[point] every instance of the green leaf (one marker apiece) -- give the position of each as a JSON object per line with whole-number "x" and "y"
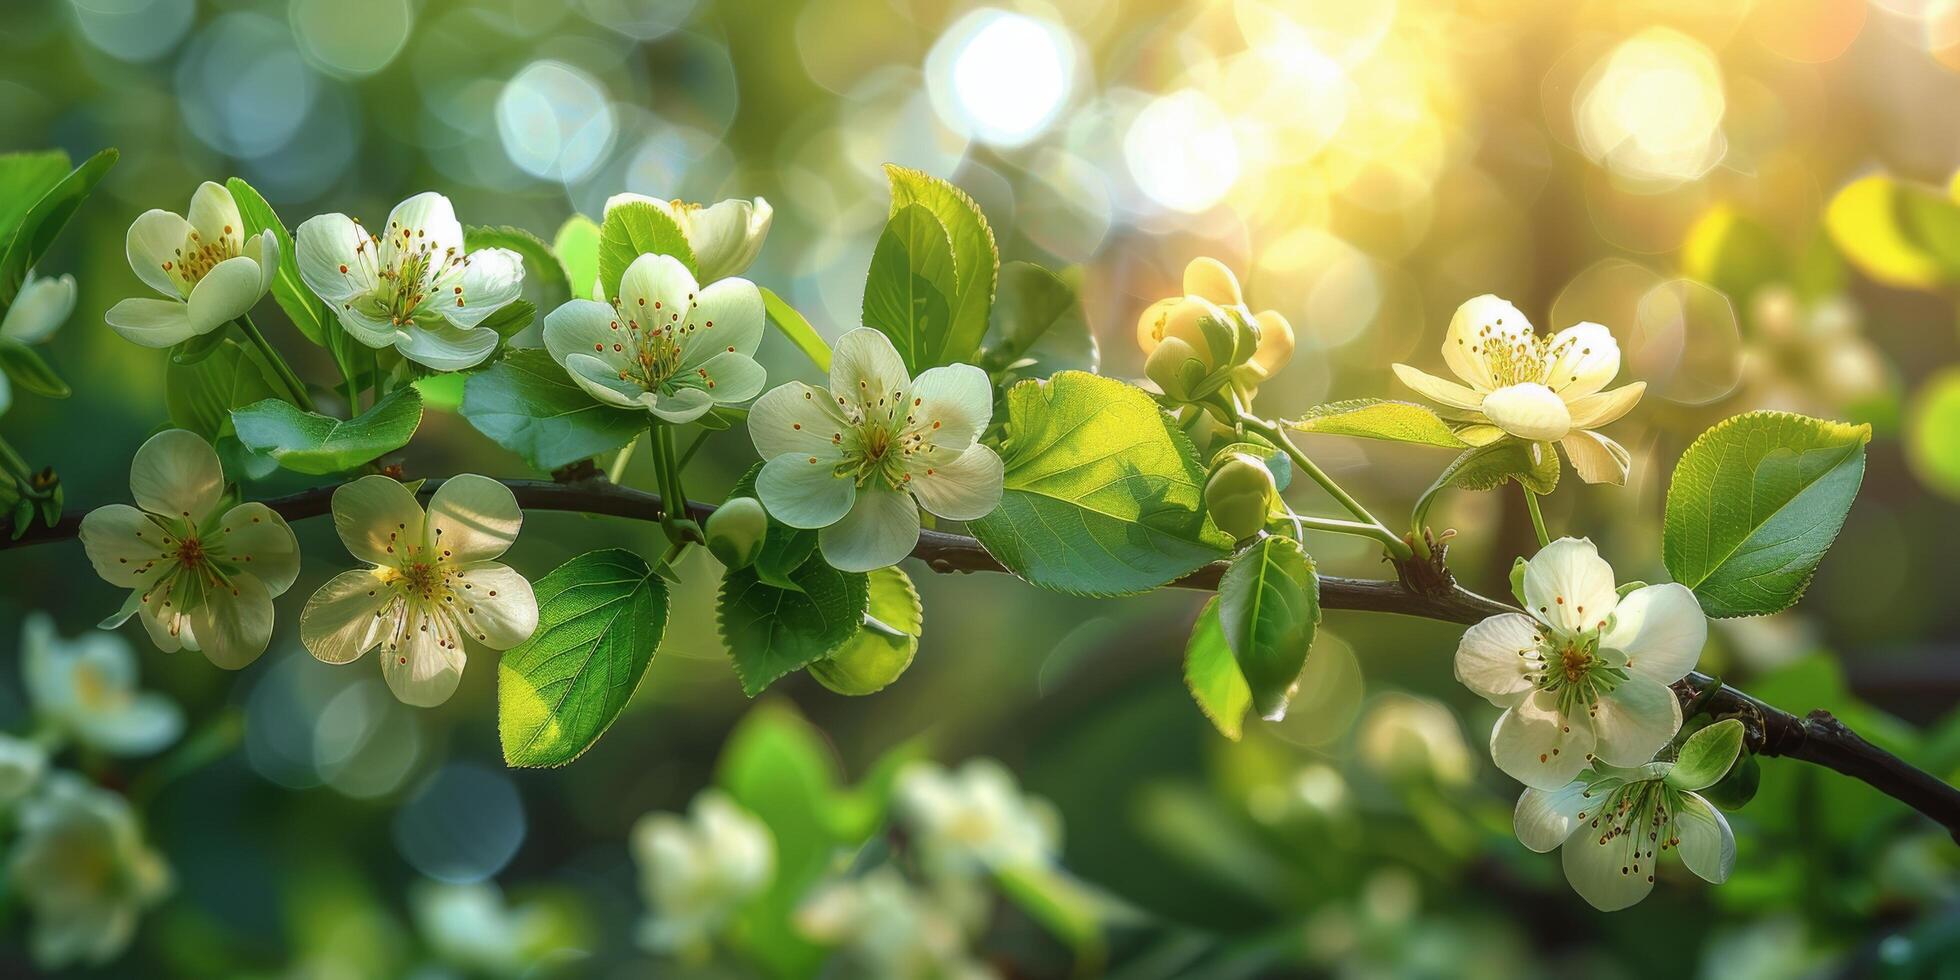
{"x": 1754, "y": 504}
{"x": 1706, "y": 756}
{"x": 1379, "y": 418}
{"x": 510, "y": 318}
{"x": 308, "y": 313}
{"x": 908, "y": 292}
{"x": 307, "y": 442}
{"x": 527, "y": 404}
{"x": 1268, "y": 609}
{"x": 24, "y": 179}
{"x": 43, "y": 222}
{"x": 1733, "y": 253}
{"x": 1212, "y": 674}
{"x": 634, "y": 229}
{"x": 197, "y": 348}
{"x": 600, "y": 617}
{"x": 577, "y": 248}
{"x": 1062, "y": 905}
{"x": 797, "y": 329}
{"x": 1102, "y": 495}
{"x": 1038, "y": 326}
{"x": 27, "y": 369}
{"x": 201, "y": 395}
{"x": 872, "y": 659}
{"x": 1533, "y": 465}
{"x": 1898, "y": 233}
{"x": 771, "y": 631}
{"x": 976, "y": 260}
{"x": 541, "y": 268}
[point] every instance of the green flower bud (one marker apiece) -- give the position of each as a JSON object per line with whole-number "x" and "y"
{"x": 736, "y": 531}
{"x": 1177, "y": 368}
{"x": 1240, "y": 494}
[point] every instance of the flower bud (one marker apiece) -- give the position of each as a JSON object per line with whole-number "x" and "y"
{"x": 1210, "y": 331}
{"x": 1208, "y": 278}
{"x": 1275, "y": 346}
{"x": 1150, "y": 326}
{"x": 1239, "y": 495}
{"x": 1177, "y": 369}
{"x": 736, "y": 531}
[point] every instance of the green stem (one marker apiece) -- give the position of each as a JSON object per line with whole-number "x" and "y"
{"x": 1395, "y": 545}
{"x": 673, "y": 495}
{"x": 617, "y": 471}
{"x": 294, "y": 386}
{"x": 1335, "y": 525}
{"x": 1537, "y": 518}
{"x": 700, "y": 439}
{"x": 16, "y": 465}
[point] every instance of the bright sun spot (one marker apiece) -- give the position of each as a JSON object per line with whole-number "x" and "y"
{"x": 1653, "y": 109}
{"x": 1000, "y": 77}
{"x": 1181, "y": 151}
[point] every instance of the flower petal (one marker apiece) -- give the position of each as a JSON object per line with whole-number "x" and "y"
{"x": 425, "y": 222}
{"x": 805, "y": 491}
{"x": 727, "y": 317}
{"x": 1544, "y": 819}
{"x": 1539, "y": 747}
{"x": 1529, "y": 411}
{"x": 1605, "y": 407}
{"x": 582, "y": 326}
{"x": 1438, "y": 390}
{"x": 1707, "y": 844}
{"x": 865, "y": 368}
{"x": 40, "y": 309}
{"x": 1603, "y": 873}
{"x": 1584, "y": 357}
{"x": 344, "y": 618}
{"x": 176, "y": 474}
{"x": 438, "y": 344}
{"x": 602, "y": 381}
{"x": 1661, "y": 629}
{"x": 487, "y": 281}
{"x": 473, "y": 518}
{"x": 225, "y": 293}
{"x": 375, "y": 516}
{"x": 1479, "y": 324}
{"x": 880, "y": 530}
{"x": 336, "y": 258}
{"x": 261, "y": 543}
{"x": 729, "y": 377}
{"x": 726, "y": 236}
{"x": 146, "y": 722}
{"x": 795, "y": 418}
{"x": 1567, "y": 585}
{"x": 214, "y": 217}
{"x": 155, "y": 249}
{"x": 154, "y": 323}
{"x": 424, "y": 664}
{"x": 951, "y": 405}
{"x": 263, "y": 248}
{"x": 1494, "y": 658}
{"x": 966, "y": 489}
{"x": 498, "y": 609}
{"x": 678, "y": 405}
{"x": 658, "y": 293}
{"x": 1596, "y": 458}
{"x": 124, "y": 545}
{"x": 1634, "y": 721}
{"x": 233, "y": 626}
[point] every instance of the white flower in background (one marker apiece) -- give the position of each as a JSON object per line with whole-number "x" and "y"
{"x": 39, "y": 309}
{"x": 21, "y": 764}
{"x": 86, "y": 689}
{"x": 202, "y": 577}
{"x": 412, "y": 286}
{"x": 1810, "y": 357}
{"x": 1542, "y": 389}
{"x": 470, "y": 926}
{"x": 664, "y": 344}
{"x": 725, "y": 237}
{"x": 435, "y": 583}
{"x": 975, "y": 820}
{"x": 1614, "y": 823}
{"x": 1586, "y": 675}
{"x": 860, "y": 459}
{"x": 887, "y": 928}
{"x": 210, "y": 272}
{"x": 1410, "y": 737}
{"x": 83, "y": 869}
{"x": 697, "y": 871}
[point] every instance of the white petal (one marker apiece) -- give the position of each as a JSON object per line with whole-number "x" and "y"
{"x": 880, "y": 530}
{"x": 727, "y": 316}
{"x": 965, "y": 489}
{"x": 1583, "y": 359}
{"x": 1568, "y": 585}
{"x": 438, "y": 344}
{"x": 372, "y": 331}
{"x": 726, "y": 236}
{"x": 341, "y": 621}
{"x": 234, "y": 625}
{"x": 1707, "y": 844}
{"x": 951, "y": 405}
{"x": 1596, "y": 458}
{"x": 805, "y": 491}
{"x": 499, "y": 621}
{"x": 378, "y": 519}
{"x": 424, "y": 665}
{"x": 1537, "y": 746}
{"x": 1529, "y": 411}
{"x": 1438, "y": 390}
{"x": 678, "y": 405}
{"x": 1545, "y": 818}
{"x": 40, "y": 309}
{"x": 1632, "y": 722}
{"x": 490, "y": 279}
{"x": 1604, "y": 873}
{"x": 865, "y": 368}
{"x": 657, "y": 292}
{"x": 602, "y": 381}
{"x": 425, "y": 222}
{"x": 1479, "y": 324}
{"x": 1661, "y": 630}
{"x": 795, "y": 418}
{"x": 225, "y": 293}
{"x": 336, "y": 258}
{"x": 155, "y": 249}
{"x": 1496, "y": 658}
{"x": 473, "y": 518}
{"x": 169, "y": 629}
{"x": 260, "y": 542}
{"x": 143, "y": 724}
{"x": 729, "y": 377}
{"x": 1606, "y": 407}
{"x": 124, "y": 545}
{"x": 214, "y": 216}
{"x": 176, "y": 474}
{"x": 582, "y": 326}
{"x": 264, "y": 249}
{"x": 154, "y": 323}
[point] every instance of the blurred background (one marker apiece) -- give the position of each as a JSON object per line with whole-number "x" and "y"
{"x": 1674, "y": 170}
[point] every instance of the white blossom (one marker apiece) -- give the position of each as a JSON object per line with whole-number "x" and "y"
{"x": 86, "y": 688}
{"x": 83, "y": 869}
{"x": 205, "y": 266}
{"x": 697, "y": 871}
{"x": 724, "y": 237}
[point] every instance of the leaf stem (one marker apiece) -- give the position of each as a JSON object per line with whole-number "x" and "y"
{"x": 1537, "y": 518}
{"x": 1375, "y": 528}
{"x": 617, "y": 471}
{"x": 294, "y": 386}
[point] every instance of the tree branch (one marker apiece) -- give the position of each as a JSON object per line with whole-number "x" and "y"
{"x": 1425, "y": 590}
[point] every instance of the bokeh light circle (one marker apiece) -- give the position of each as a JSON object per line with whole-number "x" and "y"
{"x": 1182, "y": 152}
{"x": 1652, "y": 110}
{"x": 463, "y": 825}
{"x": 555, "y": 121}
{"x": 351, "y": 37}
{"x": 243, "y": 87}
{"x": 1001, "y": 77}
{"x": 1933, "y": 434}
{"x": 134, "y": 30}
